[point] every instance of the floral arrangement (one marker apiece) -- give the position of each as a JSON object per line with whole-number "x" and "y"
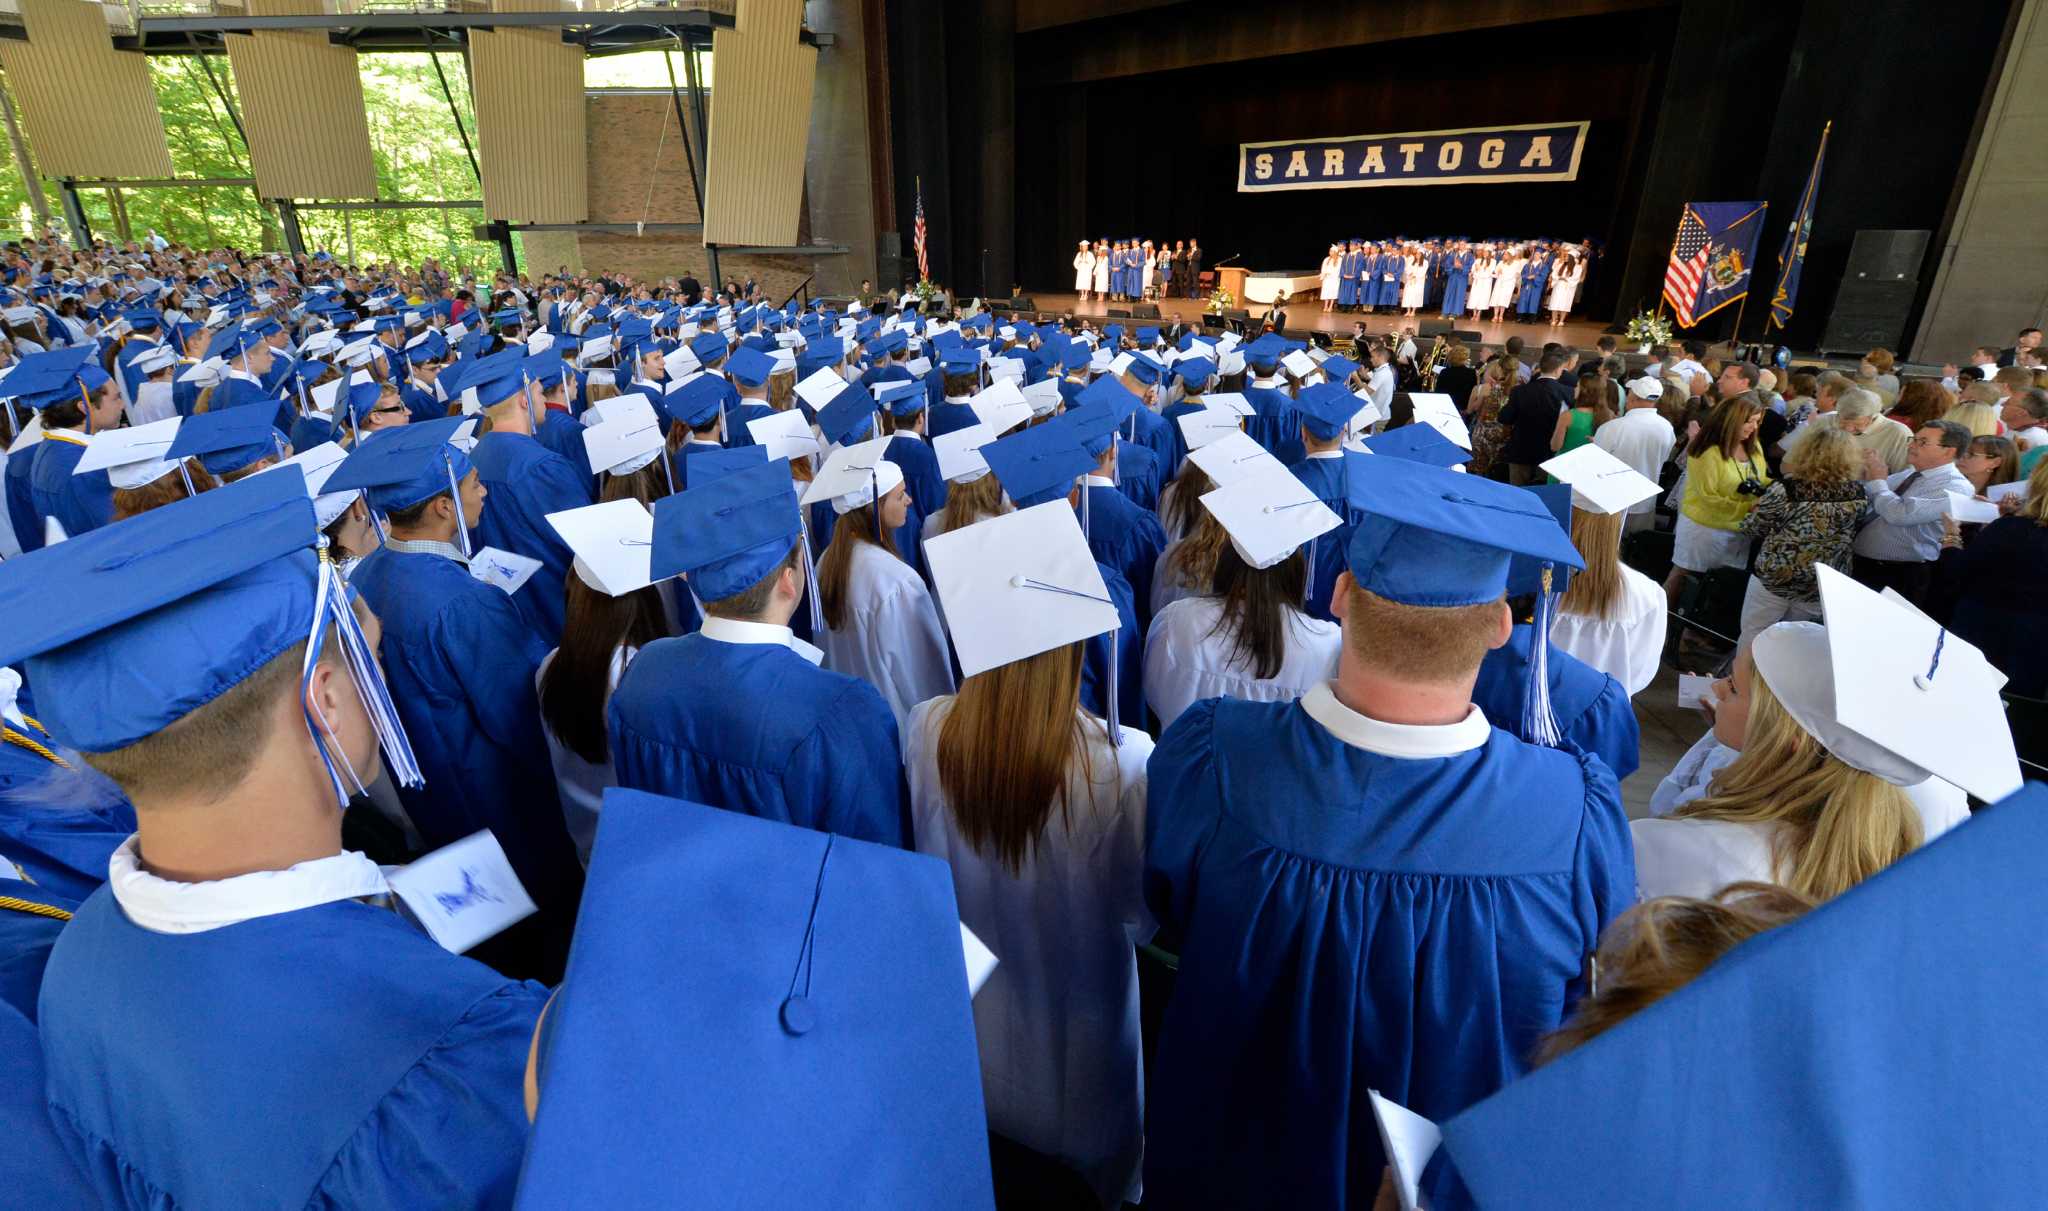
{"x": 1649, "y": 328}
{"x": 1221, "y": 300}
{"x": 927, "y": 292}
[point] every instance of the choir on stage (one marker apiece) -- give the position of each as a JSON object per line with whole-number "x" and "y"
{"x": 583, "y": 742}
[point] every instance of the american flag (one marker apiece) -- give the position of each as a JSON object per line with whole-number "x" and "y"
{"x": 924, "y": 267}
{"x": 1687, "y": 271}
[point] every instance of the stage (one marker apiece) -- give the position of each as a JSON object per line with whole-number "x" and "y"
{"x": 1307, "y": 315}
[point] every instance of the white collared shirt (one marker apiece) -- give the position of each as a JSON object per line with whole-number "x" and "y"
{"x": 1406, "y": 740}
{"x": 1339, "y": 453}
{"x": 162, "y": 906}
{"x": 738, "y": 630}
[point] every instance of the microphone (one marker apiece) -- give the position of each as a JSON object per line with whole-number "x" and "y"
{"x": 1226, "y": 260}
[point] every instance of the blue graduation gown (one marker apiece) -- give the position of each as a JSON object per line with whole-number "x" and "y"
{"x": 461, "y": 660}
{"x": 949, "y": 418}
{"x": 422, "y": 404}
{"x": 756, "y": 728}
{"x": 1457, "y": 281}
{"x": 1178, "y": 452}
{"x": 332, "y": 1056}
{"x": 240, "y": 392}
{"x": 1326, "y": 478}
{"x": 1530, "y": 298}
{"x": 1592, "y": 709}
{"x": 35, "y": 1170}
{"x": 528, "y": 481}
{"x": 1137, "y": 474}
{"x": 80, "y": 502}
{"x": 21, "y": 503}
{"x": 920, "y": 472}
{"x": 1349, "y": 921}
{"x": 61, "y": 841}
{"x": 1126, "y": 538}
{"x": 563, "y": 434}
{"x": 1391, "y": 269}
{"x": 184, "y": 395}
{"x": 310, "y": 431}
{"x": 1129, "y": 657}
{"x": 1275, "y": 425}
{"x": 1157, "y": 434}
{"x": 1348, "y": 269}
{"x": 736, "y": 432}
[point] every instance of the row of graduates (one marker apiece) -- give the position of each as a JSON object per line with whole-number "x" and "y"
{"x": 734, "y": 715}
{"x": 1460, "y": 276}
{"x": 1126, "y": 270}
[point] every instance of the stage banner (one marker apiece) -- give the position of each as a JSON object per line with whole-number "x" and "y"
{"x": 1477, "y": 155}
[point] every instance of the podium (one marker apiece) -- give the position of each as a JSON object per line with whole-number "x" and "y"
{"x": 1231, "y": 278}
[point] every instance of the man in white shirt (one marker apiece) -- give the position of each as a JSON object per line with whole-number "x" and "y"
{"x": 1689, "y": 365}
{"x": 2026, "y": 414}
{"x": 1381, "y": 381}
{"x": 1898, "y": 547}
{"x": 1643, "y": 439}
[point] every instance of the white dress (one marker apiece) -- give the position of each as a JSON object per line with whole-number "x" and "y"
{"x": 1187, "y": 661}
{"x": 1057, "y": 1022}
{"x": 152, "y": 403}
{"x": 1084, "y": 271}
{"x": 1145, "y": 266}
{"x": 1507, "y": 280}
{"x": 1102, "y": 274}
{"x": 1626, "y": 647}
{"x": 1413, "y": 279}
{"x": 1333, "y": 274}
{"x": 1564, "y": 287}
{"x": 892, "y": 638}
{"x": 581, "y": 783}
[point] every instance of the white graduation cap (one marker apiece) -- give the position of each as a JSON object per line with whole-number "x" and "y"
{"x": 1232, "y": 400}
{"x": 325, "y": 394}
{"x": 682, "y": 362}
{"x": 1003, "y": 406}
{"x": 1444, "y": 421}
{"x": 1229, "y": 341}
{"x": 1018, "y": 584}
{"x": 1121, "y": 362}
{"x": 630, "y": 440}
{"x": 1298, "y": 364}
{"x": 358, "y": 353}
{"x": 601, "y": 378}
{"x": 319, "y": 464}
{"x": 320, "y": 342}
{"x": 539, "y": 342}
{"x": 1010, "y": 368}
{"x": 852, "y": 470}
{"x": 18, "y": 315}
{"x": 1230, "y": 361}
{"x": 784, "y": 361}
{"x": 613, "y": 544}
{"x": 1901, "y": 697}
{"x": 1367, "y": 416}
{"x": 1269, "y": 515}
{"x": 1100, "y": 361}
{"x": 592, "y": 349}
{"x": 820, "y": 387}
{"x": 784, "y": 434}
{"x": 1601, "y": 483}
{"x": 1207, "y": 425}
{"x": 131, "y": 457}
{"x": 1044, "y": 396}
{"x": 456, "y": 331}
{"x": 1232, "y": 457}
{"x": 959, "y": 452}
{"x": 918, "y": 366}
{"x": 155, "y": 358}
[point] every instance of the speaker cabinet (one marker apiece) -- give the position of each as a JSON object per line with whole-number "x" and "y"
{"x": 1887, "y": 256}
{"x": 1144, "y": 311}
{"x": 1868, "y": 315}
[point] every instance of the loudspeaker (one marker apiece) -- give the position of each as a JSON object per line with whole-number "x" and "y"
{"x": 1145, "y": 311}
{"x": 1429, "y": 328}
{"x": 1867, "y": 315}
{"x": 1887, "y": 256}
{"x": 1119, "y": 313}
{"x": 889, "y": 267}
{"x": 1469, "y": 337}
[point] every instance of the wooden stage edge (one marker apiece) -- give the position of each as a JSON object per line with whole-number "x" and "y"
{"x": 1309, "y": 316}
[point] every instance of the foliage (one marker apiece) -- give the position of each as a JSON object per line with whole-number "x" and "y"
{"x": 1221, "y": 300}
{"x": 418, "y": 153}
{"x": 1649, "y": 328}
{"x": 927, "y": 292}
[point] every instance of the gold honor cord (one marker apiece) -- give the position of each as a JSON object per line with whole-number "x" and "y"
{"x": 33, "y": 909}
{"x": 13, "y": 737}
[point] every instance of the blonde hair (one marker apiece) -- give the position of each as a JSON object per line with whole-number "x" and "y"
{"x": 1596, "y": 592}
{"x": 971, "y": 501}
{"x": 2035, "y": 507}
{"x": 1660, "y": 946}
{"x": 1827, "y": 456}
{"x": 1980, "y": 419}
{"x": 1836, "y": 826}
{"x": 1005, "y": 749}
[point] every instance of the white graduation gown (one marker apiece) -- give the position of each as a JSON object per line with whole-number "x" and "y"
{"x": 1332, "y": 277}
{"x": 582, "y": 783}
{"x": 1564, "y": 288}
{"x": 1057, "y": 1023}
{"x": 892, "y": 639}
{"x": 1626, "y": 647}
{"x": 1186, "y": 660}
{"x": 1413, "y": 279}
{"x": 1084, "y": 272}
{"x": 1507, "y": 280}
{"x": 1102, "y": 273}
{"x": 152, "y": 403}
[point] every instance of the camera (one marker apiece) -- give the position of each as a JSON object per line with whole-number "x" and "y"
{"x": 1750, "y": 487}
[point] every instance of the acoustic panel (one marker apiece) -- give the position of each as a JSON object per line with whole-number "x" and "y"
{"x": 89, "y": 109}
{"x": 302, "y": 107}
{"x": 760, "y": 126}
{"x": 530, "y": 125}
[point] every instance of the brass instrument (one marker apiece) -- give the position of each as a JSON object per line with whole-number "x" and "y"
{"x": 1426, "y": 372}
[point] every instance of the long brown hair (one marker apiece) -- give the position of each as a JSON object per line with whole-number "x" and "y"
{"x": 1259, "y": 605}
{"x": 1191, "y": 562}
{"x": 573, "y": 690}
{"x": 1595, "y": 592}
{"x": 835, "y": 567}
{"x": 1009, "y": 741}
{"x": 970, "y": 501}
{"x": 166, "y": 489}
{"x": 1593, "y": 395}
{"x": 647, "y": 485}
{"x": 1920, "y": 401}
{"x": 1185, "y": 510}
{"x": 1721, "y": 428}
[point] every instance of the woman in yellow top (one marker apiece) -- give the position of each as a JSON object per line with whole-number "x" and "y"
{"x": 1724, "y": 478}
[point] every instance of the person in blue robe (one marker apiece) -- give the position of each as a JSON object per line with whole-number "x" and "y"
{"x": 1273, "y": 423}
{"x": 1348, "y": 269}
{"x": 1392, "y": 266}
{"x": 1370, "y": 888}
{"x": 738, "y": 715}
{"x": 912, "y": 454}
{"x": 247, "y": 965}
{"x": 1121, "y": 533}
{"x": 35, "y": 1169}
{"x": 1592, "y": 710}
{"x": 1126, "y": 647}
{"x": 711, "y": 350}
{"x": 749, "y": 369}
{"x": 1535, "y": 276}
{"x": 959, "y": 380}
{"x": 1326, "y": 469}
{"x": 526, "y": 482}
{"x": 80, "y": 403}
{"x": 461, "y": 659}
{"x": 58, "y": 824}
{"x": 1195, "y": 375}
{"x": 1146, "y": 378}
{"x": 1457, "y": 280}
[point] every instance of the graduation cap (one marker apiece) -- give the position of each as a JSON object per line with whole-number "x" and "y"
{"x": 1418, "y": 443}
{"x": 706, "y": 463}
{"x": 228, "y": 439}
{"x": 1038, "y": 464}
{"x": 1200, "y": 427}
{"x": 134, "y": 457}
{"x": 698, "y": 401}
{"x": 1600, "y": 482}
{"x": 318, "y": 465}
{"x": 1338, "y": 369}
{"x": 1858, "y": 1080}
{"x": 959, "y": 452}
{"x": 784, "y": 435}
{"x": 510, "y": 317}
{"x": 708, "y": 347}
{"x": 855, "y": 476}
{"x": 625, "y": 437}
{"x": 1194, "y": 373}
{"x": 1269, "y": 516}
{"x": 1002, "y": 407}
{"x": 902, "y": 399}
{"x": 129, "y": 628}
{"x": 849, "y": 414}
{"x": 400, "y": 467}
{"x": 829, "y": 970}
{"x": 1232, "y": 457}
{"x": 750, "y": 367}
{"x": 613, "y": 544}
{"x": 727, "y": 533}
{"x": 1325, "y": 409}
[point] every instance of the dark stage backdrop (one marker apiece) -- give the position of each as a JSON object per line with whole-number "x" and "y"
{"x": 1155, "y": 156}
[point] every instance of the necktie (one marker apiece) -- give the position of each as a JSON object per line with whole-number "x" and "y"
{"x": 1907, "y": 483}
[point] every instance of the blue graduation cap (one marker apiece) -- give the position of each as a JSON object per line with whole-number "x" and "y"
{"x": 1339, "y": 369}
{"x": 1194, "y": 373}
{"x": 889, "y": 342}
{"x": 959, "y": 360}
{"x": 708, "y": 347}
{"x": 848, "y": 416}
{"x": 706, "y": 464}
{"x": 129, "y": 628}
{"x": 903, "y": 399}
{"x": 1416, "y": 443}
{"x": 727, "y": 531}
{"x": 497, "y": 388}
{"x": 388, "y": 323}
{"x": 226, "y": 440}
{"x": 1327, "y": 407}
{"x": 1525, "y": 575}
{"x": 1145, "y": 370}
{"x": 829, "y": 973}
{"x": 749, "y": 366}
{"x": 1889, "y": 1055}
{"x": 1038, "y": 464}
{"x": 697, "y": 402}
{"x": 142, "y": 319}
{"x": 398, "y": 468}
{"x": 510, "y": 317}
{"x": 1075, "y": 357}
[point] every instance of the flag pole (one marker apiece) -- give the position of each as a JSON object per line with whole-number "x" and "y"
{"x": 1742, "y": 304}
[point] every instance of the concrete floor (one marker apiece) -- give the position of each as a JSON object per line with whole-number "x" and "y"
{"x": 1667, "y": 731}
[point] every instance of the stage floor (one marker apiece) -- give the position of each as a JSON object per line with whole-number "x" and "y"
{"x": 1308, "y": 315}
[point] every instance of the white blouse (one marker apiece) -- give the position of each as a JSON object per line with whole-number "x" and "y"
{"x": 1188, "y": 659}
{"x": 1626, "y": 647}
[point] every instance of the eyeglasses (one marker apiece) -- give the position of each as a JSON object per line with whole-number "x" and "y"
{"x": 1919, "y": 443}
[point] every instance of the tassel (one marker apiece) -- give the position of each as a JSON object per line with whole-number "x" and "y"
{"x": 810, "y": 573}
{"x": 331, "y": 607}
{"x": 1539, "y": 726}
{"x": 455, "y": 494}
{"x": 1109, "y": 722}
